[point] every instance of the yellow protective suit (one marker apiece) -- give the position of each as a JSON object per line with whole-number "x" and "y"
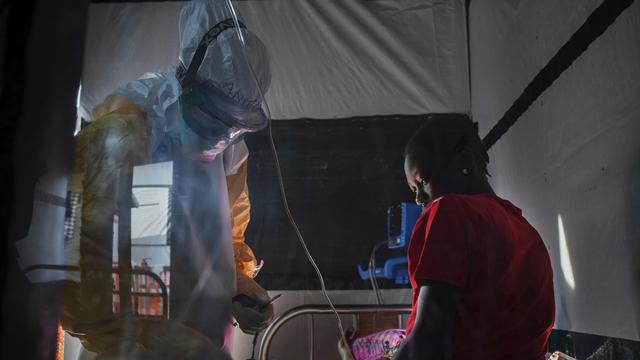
{"x": 118, "y": 109}
{"x": 121, "y": 130}
{"x": 115, "y": 143}
{"x": 246, "y": 266}
{"x": 117, "y": 106}
{"x": 240, "y": 216}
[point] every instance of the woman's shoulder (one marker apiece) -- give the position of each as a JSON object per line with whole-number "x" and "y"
{"x": 450, "y": 205}
{"x": 481, "y": 205}
{"x": 483, "y": 199}
{"x": 452, "y": 202}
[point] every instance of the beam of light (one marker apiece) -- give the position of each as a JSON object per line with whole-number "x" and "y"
{"x": 565, "y": 259}
{"x": 78, "y": 97}
{"x": 78, "y": 116}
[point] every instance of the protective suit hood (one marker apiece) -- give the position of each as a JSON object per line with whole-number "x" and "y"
{"x": 226, "y": 62}
{"x": 225, "y": 100}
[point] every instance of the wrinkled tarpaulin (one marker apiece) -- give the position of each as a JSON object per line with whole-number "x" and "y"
{"x": 330, "y": 59}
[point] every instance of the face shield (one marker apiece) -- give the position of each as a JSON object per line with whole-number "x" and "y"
{"x": 222, "y": 79}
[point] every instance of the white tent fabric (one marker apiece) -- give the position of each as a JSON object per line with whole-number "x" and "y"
{"x": 571, "y": 161}
{"x": 329, "y": 59}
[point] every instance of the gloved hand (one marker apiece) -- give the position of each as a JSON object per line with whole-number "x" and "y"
{"x": 251, "y": 307}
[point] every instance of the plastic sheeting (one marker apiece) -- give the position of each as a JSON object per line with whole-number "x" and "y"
{"x": 329, "y": 59}
{"x": 571, "y": 162}
{"x": 42, "y": 245}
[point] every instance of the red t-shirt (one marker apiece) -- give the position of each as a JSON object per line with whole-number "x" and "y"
{"x": 482, "y": 245}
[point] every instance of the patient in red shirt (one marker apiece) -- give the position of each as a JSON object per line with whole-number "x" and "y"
{"x": 481, "y": 276}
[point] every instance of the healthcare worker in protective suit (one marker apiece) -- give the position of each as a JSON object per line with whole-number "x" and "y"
{"x": 194, "y": 117}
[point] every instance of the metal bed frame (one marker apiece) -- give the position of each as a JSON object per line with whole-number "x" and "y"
{"x": 164, "y": 294}
{"x": 297, "y": 311}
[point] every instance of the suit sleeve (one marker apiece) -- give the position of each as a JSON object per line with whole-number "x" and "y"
{"x": 240, "y": 207}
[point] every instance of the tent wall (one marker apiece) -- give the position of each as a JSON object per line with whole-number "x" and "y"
{"x": 329, "y": 59}
{"x": 340, "y": 177}
{"x": 572, "y": 162}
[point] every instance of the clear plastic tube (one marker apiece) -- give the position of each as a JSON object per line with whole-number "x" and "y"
{"x": 281, "y": 182}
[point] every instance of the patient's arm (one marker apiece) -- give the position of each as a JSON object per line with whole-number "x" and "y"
{"x": 432, "y": 334}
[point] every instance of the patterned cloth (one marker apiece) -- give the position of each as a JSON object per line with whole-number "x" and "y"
{"x": 377, "y": 345}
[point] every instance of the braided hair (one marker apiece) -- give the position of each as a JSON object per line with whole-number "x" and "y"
{"x": 443, "y": 137}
